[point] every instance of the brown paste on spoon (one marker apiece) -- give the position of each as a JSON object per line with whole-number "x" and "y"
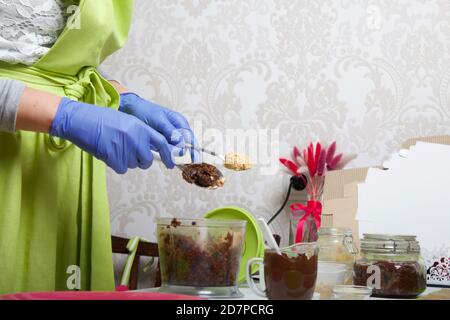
{"x": 203, "y": 175}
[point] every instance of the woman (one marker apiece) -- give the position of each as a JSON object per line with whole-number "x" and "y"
{"x": 60, "y": 122}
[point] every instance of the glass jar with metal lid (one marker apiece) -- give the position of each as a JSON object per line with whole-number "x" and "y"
{"x": 336, "y": 245}
{"x": 336, "y": 258}
{"x": 391, "y": 265}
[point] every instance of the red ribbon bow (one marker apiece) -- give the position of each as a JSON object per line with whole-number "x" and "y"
{"x": 313, "y": 208}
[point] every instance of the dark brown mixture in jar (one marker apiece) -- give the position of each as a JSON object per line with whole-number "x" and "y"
{"x": 203, "y": 175}
{"x": 289, "y": 278}
{"x": 185, "y": 263}
{"x": 398, "y": 279}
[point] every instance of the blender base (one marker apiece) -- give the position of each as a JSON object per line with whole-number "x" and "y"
{"x": 204, "y": 292}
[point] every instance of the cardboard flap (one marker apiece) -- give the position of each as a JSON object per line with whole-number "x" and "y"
{"x": 341, "y": 193}
{"x": 432, "y": 139}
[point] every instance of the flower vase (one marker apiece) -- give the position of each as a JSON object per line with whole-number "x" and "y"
{"x": 304, "y": 222}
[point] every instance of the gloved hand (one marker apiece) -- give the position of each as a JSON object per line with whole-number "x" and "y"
{"x": 120, "y": 140}
{"x": 171, "y": 124}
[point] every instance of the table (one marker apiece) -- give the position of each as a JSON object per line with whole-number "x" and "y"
{"x": 250, "y": 295}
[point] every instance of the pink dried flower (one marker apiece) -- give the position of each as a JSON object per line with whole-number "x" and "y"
{"x": 318, "y": 153}
{"x": 316, "y": 160}
{"x": 330, "y": 152}
{"x": 346, "y": 160}
{"x": 310, "y": 161}
{"x": 291, "y": 166}
{"x": 321, "y": 163}
{"x": 301, "y": 162}
{"x": 296, "y": 152}
{"x": 333, "y": 165}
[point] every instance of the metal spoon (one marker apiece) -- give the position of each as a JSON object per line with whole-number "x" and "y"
{"x": 227, "y": 159}
{"x": 200, "y": 149}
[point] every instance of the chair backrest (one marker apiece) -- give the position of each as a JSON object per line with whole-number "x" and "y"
{"x": 145, "y": 249}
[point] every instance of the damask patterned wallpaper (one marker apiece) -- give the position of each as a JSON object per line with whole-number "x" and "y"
{"x": 369, "y": 74}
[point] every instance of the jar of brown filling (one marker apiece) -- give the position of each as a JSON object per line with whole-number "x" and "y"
{"x": 391, "y": 265}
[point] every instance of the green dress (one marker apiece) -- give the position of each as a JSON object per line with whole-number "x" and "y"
{"x": 53, "y": 201}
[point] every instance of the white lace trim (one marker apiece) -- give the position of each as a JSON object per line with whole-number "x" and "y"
{"x": 29, "y": 28}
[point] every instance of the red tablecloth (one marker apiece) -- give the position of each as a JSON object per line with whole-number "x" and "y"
{"x": 83, "y": 295}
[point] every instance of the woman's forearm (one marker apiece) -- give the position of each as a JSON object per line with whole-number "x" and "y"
{"x": 120, "y": 88}
{"x": 37, "y": 110}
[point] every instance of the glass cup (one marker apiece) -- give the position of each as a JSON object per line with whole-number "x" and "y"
{"x": 201, "y": 256}
{"x": 289, "y": 275}
{"x": 329, "y": 274}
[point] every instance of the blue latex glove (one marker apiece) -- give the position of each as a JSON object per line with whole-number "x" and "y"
{"x": 120, "y": 140}
{"x": 171, "y": 124}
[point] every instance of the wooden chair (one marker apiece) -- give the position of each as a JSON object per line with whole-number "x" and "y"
{"x": 145, "y": 249}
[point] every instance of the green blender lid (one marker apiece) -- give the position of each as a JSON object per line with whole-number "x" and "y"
{"x": 254, "y": 241}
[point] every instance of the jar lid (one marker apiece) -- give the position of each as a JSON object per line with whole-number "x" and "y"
{"x": 386, "y": 243}
{"x": 340, "y": 232}
{"x": 327, "y": 231}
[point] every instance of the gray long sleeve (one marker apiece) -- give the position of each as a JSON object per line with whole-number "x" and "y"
{"x": 10, "y": 93}
{"x": 105, "y": 74}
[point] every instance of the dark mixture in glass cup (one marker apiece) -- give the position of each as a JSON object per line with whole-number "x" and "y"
{"x": 291, "y": 275}
{"x": 198, "y": 258}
